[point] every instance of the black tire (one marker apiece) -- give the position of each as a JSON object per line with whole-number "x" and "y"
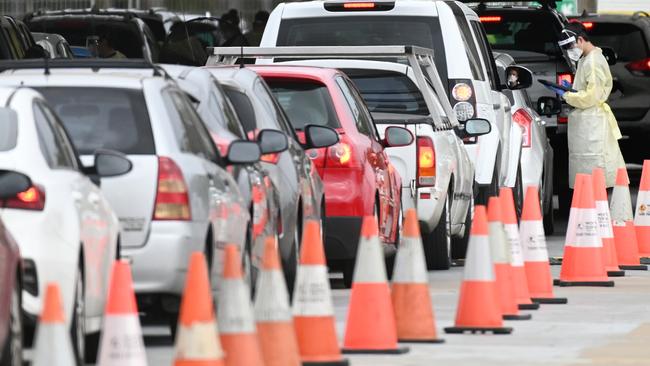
{"x": 437, "y": 243}
{"x": 12, "y": 351}
{"x": 348, "y": 272}
{"x": 78, "y": 324}
{"x": 459, "y": 244}
{"x": 92, "y": 347}
{"x": 549, "y": 221}
{"x": 291, "y": 265}
{"x": 518, "y": 193}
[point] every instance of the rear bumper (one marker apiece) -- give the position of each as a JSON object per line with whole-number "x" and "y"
{"x": 342, "y": 236}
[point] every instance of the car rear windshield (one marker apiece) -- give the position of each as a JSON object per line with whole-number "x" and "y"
{"x": 103, "y": 118}
{"x": 626, "y": 39}
{"x": 366, "y": 31}
{"x": 305, "y": 102}
{"x": 388, "y": 92}
{"x": 530, "y": 31}
{"x": 8, "y": 129}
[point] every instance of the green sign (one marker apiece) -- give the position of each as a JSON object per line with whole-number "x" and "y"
{"x": 567, "y": 7}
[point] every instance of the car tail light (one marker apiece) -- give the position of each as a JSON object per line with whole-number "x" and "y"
{"x": 270, "y": 158}
{"x": 490, "y": 19}
{"x": 32, "y": 199}
{"x": 426, "y": 162}
{"x": 640, "y": 67}
{"x": 562, "y": 120}
{"x": 525, "y": 120}
{"x": 462, "y": 99}
{"x": 564, "y": 76}
{"x": 340, "y": 155}
{"x": 359, "y": 6}
{"x": 172, "y": 198}
{"x": 462, "y": 92}
{"x": 588, "y": 25}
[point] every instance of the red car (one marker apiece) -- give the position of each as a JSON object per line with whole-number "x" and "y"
{"x": 358, "y": 177}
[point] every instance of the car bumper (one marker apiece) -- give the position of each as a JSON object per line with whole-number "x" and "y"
{"x": 430, "y": 202}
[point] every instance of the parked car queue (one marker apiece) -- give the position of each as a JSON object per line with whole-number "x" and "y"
{"x": 149, "y": 162}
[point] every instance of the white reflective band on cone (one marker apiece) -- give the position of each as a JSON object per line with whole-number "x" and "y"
{"x": 533, "y": 241}
{"x": 478, "y": 264}
{"x": 312, "y": 295}
{"x": 370, "y": 266}
{"x": 642, "y": 213}
{"x": 52, "y": 346}
{"x": 512, "y": 233}
{"x": 271, "y": 299}
{"x": 198, "y": 342}
{"x": 621, "y": 205}
{"x": 499, "y": 248}
{"x": 234, "y": 312}
{"x": 604, "y": 220}
{"x": 410, "y": 265}
{"x": 585, "y": 232}
{"x": 121, "y": 342}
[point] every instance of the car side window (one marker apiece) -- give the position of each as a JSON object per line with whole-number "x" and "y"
{"x": 486, "y": 52}
{"x": 55, "y": 146}
{"x": 243, "y": 107}
{"x": 265, "y": 95}
{"x": 359, "y": 120}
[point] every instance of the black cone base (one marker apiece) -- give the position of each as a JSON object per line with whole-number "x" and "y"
{"x": 394, "y": 351}
{"x": 583, "y": 283}
{"x": 555, "y": 261}
{"x": 342, "y": 362}
{"x": 437, "y": 340}
{"x": 461, "y": 330}
{"x": 635, "y": 267}
{"x": 550, "y": 300}
{"x": 533, "y": 306}
{"x": 615, "y": 273}
{"x": 518, "y": 317}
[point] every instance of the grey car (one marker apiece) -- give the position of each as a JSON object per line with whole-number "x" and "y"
{"x": 54, "y": 44}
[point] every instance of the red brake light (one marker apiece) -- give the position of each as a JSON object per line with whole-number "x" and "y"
{"x": 340, "y": 154}
{"x": 172, "y": 198}
{"x": 588, "y": 25}
{"x": 490, "y": 19}
{"x": 270, "y": 158}
{"x": 524, "y": 119}
{"x": 562, "y": 120}
{"x": 31, "y": 199}
{"x": 359, "y": 6}
{"x": 564, "y": 76}
{"x": 426, "y": 162}
{"x": 640, "y": 67}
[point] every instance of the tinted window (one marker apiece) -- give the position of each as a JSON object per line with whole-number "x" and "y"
{"x": 523, "y": 31}
{"x": 228, "y": 115}
{"x": 389, "y": 92}
{"x": 8, "y": 131}
{"x": 103, "y": 118}
{"x": 626, "y": 39}
{"x": 54, "y": 149}
{"x": 244, "y": 108}
{"x": 305, "y": 102}
{"x": 274, "y": 115}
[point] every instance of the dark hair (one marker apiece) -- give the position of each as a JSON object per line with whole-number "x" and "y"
{"x": 579, "y": 30}
{"x": 261, "y": 16}
{"x": 106, "y": 35}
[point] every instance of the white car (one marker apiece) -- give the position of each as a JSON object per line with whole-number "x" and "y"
{"x": 462, "y": 57}
{"x": 178, "y": 198}
{"x": 65, "y": 227}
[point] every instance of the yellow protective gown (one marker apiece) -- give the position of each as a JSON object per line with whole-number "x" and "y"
{"x": 592, "y": 131}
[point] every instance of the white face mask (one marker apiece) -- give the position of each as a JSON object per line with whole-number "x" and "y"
{"x": 575, "y": 53}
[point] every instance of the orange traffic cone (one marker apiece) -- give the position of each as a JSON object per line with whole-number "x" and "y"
{"x": 501, "y": 256}
{"x": 197, "y": 338}
{"x": 121, "y": 340}
{"x": 533, "y": 242}
{"x": 627, "y": 250}
{"x": 642, "y": 213}
{"x": 410, "y": 291}
{"x": 312, "y": 303}
{"x": 273, "y": 312}
{"x": 371, "y": 320}
{"x": 235, "y": 314}
{"x": 605, "y": 225}
{"x": 478, "y": 307}
{"x": 52, "y": 345}
{"x": 583, "y": 251}
{"x": 512, "y": 234}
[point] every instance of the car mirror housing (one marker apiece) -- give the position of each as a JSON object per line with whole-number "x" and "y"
{"x": 243, "y": 152}
{"x": 320, "y": 136}
{"x": 549, "y": 106}
{"x": 12, "y": 183}
{"x": 110, "y": 163}
{"x": 474, "y": 127}
{"x": 397, "y": 136}
{"x": 518, "y": 77}
{"x": 272, "y": 141}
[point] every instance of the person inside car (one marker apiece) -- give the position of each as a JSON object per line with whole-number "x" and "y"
{"x": 106, "y": 47}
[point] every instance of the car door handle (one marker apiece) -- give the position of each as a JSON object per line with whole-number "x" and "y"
{"x": 496, "y": 106}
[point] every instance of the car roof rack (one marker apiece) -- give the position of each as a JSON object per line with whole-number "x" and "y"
{"x": 420, "y": 59}
{"x": 93, "y": 64}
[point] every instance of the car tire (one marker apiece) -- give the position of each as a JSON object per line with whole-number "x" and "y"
{"x": 518, "y": 193}
{"x": 12, "y": 353}
{"x": 390, "y": 259}
{"x": 348, "y": 264}
{"x": 78, "y": 324}
{"x": 291, "y": 266}
{"x": 459, "y": 244}
{"x": 437, "y": 244}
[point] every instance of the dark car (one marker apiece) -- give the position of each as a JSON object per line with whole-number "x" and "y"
{"x": 11, "y": 335}
{"x": 629, "y": 37}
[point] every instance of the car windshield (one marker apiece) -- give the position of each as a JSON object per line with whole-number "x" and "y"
{"x": 103, "y": 118}
{"x": 626, "y": 39}
{"x": 8, "y": 129}
{"x": 305, "y": 102}
{"x": 522, "y": 31}
{"x": 388, "y": 92}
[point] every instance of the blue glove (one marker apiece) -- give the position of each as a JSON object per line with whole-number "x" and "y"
{"x": 566, "y": 84}
{"x": 557, "y": 91}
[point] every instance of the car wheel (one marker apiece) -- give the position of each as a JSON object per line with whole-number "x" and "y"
{"x": 459, "y": 244}
{"x": 547, "y": 209}
{"x": 437, "y": 244}
{"x": 78, "y": 325}
{"x": 348, "y": 264}
{"x": 291, "y": 268}
{"x": 390, "y": 259}
{"x": 518, "y": 193}
{"x": 12, "y": 354}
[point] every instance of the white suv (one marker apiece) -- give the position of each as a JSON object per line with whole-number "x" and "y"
{"x": 462, "y": 55}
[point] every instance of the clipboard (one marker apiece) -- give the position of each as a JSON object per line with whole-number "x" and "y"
{"x": 558, "y": 86}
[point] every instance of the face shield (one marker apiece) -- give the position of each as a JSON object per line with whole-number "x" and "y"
{"x": 569, "y": 43}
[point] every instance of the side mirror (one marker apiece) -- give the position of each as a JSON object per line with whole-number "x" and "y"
{"x": 549, "y": 106}
{"x": 320, "y": 136}
{"x": 518, "y": 77}
{"x": 474, "y": 127}
{"x": 272, "y": 141}
{"x": 243, "y": 152}
{"x": 610, "y": 55}
{"x": 12, "y": 183}
{"x": 397, "y": 136}
{"x": 110, "y": 163}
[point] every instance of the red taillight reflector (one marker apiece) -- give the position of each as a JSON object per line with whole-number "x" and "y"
{"x": 588, "y": 25}
{"x": 563, "y": 120}
{"x": 270, "y": 158}
{"x": 426, "y": 162}
{"x": 359, "y": 6}
{"x": 31, "y": 199}
{"x": 490, "y": 19}
{"x": 640, "y": 66}
{"x": 172, "y": 198}
{"x": 564, "y": 77}
{"x": 524, "y": 119}
{"x": 425, "y": 196}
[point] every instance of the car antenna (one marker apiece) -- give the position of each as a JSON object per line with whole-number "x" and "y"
{"x": 187, "y": 33}
{"x": 241, "y": 56}
{"x": 46, "y": 66}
